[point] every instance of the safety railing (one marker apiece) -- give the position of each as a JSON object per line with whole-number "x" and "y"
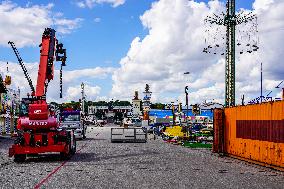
{"x": 135, "y": 135}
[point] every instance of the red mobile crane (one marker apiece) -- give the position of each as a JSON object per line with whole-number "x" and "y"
{"x": 39, "y": 132}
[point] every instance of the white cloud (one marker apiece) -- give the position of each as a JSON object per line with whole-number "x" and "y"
{"x": 71, "y": 81}
{"x": 74, "y": 92}
{"x": 66, "y": 26}
{"x": 93, "y": 73}
{"x": 91, "y": 3}
{"x": 259, "y": 5}
{"x": 115, "y": 3}
{"x": 97, "y": 19}
{"x": 102, "y": 98}
{"x": 81, "y": 4}
{"x": 25, "y": 25}
{"x": 174, "y": 45}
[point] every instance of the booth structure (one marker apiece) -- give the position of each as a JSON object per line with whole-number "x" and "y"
{"x": 9, "y": 111}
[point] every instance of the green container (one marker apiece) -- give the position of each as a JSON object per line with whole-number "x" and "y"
{"x": 196, "y": 145}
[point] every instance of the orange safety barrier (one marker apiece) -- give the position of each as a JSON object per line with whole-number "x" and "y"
{"x": 253, "y": 132}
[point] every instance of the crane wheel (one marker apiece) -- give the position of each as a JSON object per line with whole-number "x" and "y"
{"x": 64, "y": 156}
{"x": 71, "y": 142}
{"x": 73, "y": 145}
{"x": 19, "y": 140}
{"x": 19, "y": 158}
{"x": 84, "y": 135}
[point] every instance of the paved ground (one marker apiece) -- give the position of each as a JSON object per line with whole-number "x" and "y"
{"x": 99, "y": 163}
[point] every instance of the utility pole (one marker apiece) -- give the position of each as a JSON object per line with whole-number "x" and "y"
{"x": 83, "y": 97}
{"x": 173, "y": 111}
{"x": 230, "y": 20}
{"x": 186, "y": 99}
{"x": 186, "y": 102}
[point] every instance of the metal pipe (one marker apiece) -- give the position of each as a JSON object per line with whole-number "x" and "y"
{"x": 174, "y": 115}
{"x": 261, "y": 84}
{"x": 186, "y": 101}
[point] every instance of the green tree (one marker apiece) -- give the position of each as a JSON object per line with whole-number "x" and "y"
{"x": 118, "y": 116}
{"x": 159, "y": 106}
{"x": 100, "y": 114}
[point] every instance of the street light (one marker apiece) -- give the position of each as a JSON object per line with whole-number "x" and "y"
{"x": 186, "y": 102}
{"x": 173, "y": 111}
{"x": 83, "y": 97}
{"x": 186, "y": 99}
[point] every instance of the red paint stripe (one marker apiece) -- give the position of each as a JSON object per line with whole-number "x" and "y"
{"x": 54, "y": 171}
{"x": 48, "y": 176}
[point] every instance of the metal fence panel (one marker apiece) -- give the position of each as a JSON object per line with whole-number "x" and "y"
{"x": 128, "y": 135}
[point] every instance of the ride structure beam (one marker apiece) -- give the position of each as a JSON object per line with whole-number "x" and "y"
{"x": 230, "y": 22}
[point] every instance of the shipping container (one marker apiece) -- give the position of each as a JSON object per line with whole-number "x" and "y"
{"x": 254, "y": 132}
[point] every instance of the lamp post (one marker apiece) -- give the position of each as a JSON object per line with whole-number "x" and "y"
{"x": 186, "y": 102}
{"x": 173, "y": 111}
{"x": 186, "y": 98}
{"x": 83, "y": 97}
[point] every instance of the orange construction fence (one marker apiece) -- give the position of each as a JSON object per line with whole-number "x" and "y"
{"x": 251, "y": 132}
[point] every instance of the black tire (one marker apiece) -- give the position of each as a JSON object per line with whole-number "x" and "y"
{"x": 19, "y": 140}
{"x": 32, "y": 155}
{"x": 84, "y": 131}
{"x": 64, "y": 156}
{"x": 73, "y": 148}
{"x": 19, "y": 158}
{"x": 84, "y": 134}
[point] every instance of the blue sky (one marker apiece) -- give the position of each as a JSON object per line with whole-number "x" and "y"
{"x": 246, "y": 4}
{"x": 97, "y": 44}
{"x": 94, "y": 44}
{"x": 102, "y": 37}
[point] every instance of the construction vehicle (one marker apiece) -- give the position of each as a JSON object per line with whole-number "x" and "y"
{"x": 39, "y": 132}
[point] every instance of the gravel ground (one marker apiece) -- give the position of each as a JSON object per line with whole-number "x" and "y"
{"x": 99, "y": 163}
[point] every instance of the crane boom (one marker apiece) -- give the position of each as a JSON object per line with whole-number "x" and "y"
{"x": 46, "y": 67}
{"x": 50, "y": 49}
{"x": 22, "y": 65}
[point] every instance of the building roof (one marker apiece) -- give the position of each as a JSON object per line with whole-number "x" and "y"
{"x": 114, "y": 107}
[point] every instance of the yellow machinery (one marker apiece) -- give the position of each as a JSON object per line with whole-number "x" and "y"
{"x": 175, "y": 131}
